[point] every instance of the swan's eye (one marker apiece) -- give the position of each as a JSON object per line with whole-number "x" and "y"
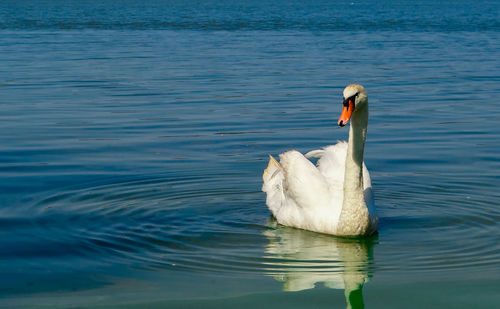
{"x": 351, "y": 99}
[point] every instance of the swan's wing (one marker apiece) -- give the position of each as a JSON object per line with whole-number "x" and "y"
{"x": 367, "y": 185}
{"x": 297, "y": 193}
{"x": 370, "y": 202}
{"x": 303, "y": 183}
{"x": 331, "y": 164}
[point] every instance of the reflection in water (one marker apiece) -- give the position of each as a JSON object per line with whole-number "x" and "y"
{"x": 300, "y": 259}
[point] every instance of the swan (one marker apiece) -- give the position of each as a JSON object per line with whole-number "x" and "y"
{"x": 335, "y": 196}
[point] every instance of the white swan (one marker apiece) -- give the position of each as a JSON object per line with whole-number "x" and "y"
{"x": 336, "y": 196}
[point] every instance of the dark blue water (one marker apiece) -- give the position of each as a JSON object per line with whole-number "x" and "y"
{"x": 133, "y": 136}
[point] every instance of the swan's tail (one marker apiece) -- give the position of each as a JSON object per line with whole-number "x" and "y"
{"x": 273, "y": 184}
{"x": 272, "y": 166}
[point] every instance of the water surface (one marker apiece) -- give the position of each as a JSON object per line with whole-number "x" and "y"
{"x": 133, "y": 138}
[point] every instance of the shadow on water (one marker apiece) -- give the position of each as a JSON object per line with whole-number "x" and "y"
{"x": 303, "y": 259}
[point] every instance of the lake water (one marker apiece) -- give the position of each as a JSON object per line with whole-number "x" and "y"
{"x": 133, "y": 136}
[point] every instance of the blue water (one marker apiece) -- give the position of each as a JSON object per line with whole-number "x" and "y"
{"x": 133, "y": 136}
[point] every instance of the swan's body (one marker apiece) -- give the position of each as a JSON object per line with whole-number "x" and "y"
{"x": 334, "y": 197}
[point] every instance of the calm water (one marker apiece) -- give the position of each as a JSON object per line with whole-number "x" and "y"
{"x": 133, "y": 137}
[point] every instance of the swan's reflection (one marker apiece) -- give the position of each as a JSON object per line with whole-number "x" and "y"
{"x": 302, "y": 259}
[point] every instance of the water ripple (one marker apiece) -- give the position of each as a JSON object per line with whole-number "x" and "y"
{"x": 184, "y": 224}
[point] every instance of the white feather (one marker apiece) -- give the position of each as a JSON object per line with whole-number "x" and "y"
{"x": 302, "y": 195}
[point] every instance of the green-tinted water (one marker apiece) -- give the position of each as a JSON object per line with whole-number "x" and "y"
{"x": 133, "y": 138}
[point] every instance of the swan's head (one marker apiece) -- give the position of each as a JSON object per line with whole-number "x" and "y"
{"x": 354, "y": 99}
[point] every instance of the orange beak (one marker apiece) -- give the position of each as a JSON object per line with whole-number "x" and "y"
{"x": 346, "y": 112}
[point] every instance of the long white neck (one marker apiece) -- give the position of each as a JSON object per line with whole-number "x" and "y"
{"x": 354, "y": 217}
